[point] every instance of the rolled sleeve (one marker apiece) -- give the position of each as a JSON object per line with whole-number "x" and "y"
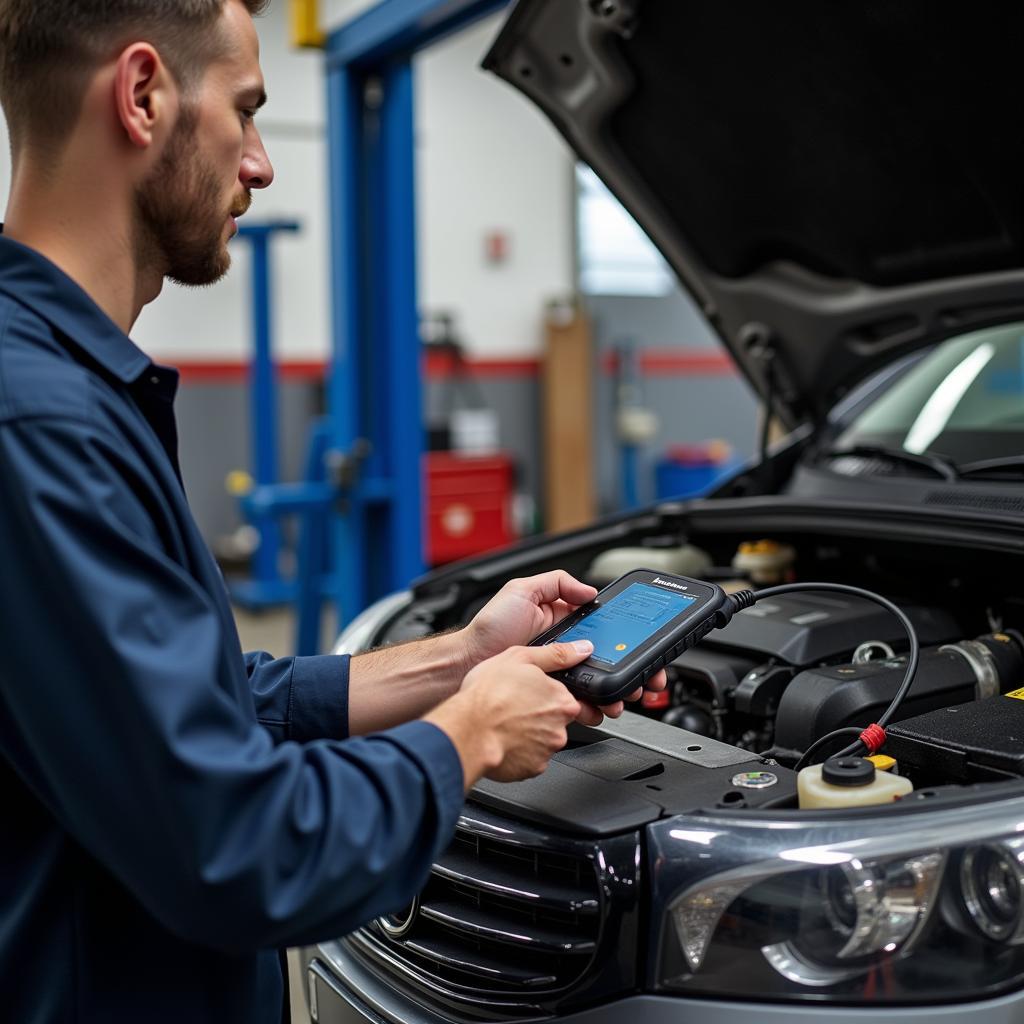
{"x": 319, "y": 703}
{"x": 300, "y": 699}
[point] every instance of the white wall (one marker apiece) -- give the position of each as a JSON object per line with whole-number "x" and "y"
{"x": 487, "y": 160}
{"x": 214, "y": 323}
{"x": 334, "y": 13}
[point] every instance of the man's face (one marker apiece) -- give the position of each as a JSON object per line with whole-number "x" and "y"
{"x": 210, "y": 164}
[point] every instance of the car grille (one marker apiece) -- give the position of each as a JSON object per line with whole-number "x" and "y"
{"x": 510, "y": 920}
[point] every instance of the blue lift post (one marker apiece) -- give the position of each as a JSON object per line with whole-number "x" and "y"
{"x": 375, "y": 423}
{"x": 360, "y": 506}
{"x": 265, "y": 586}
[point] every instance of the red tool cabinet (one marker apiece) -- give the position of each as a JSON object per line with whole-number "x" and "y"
{"x": 469, "y": 504}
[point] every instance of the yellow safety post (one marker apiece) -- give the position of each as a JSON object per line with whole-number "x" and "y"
{"x": 306, "y": 30}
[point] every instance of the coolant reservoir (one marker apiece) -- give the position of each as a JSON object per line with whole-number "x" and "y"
{"x": 684, "y": 560}
{"x": 848, "y": 782}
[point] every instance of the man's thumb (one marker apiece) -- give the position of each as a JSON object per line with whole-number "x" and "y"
{"x": 555, "y": 656}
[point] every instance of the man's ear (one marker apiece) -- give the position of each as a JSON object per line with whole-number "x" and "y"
{"x": 145, "y": 96}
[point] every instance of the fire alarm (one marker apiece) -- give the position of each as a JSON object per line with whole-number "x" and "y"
{"x": 496, "y": 247}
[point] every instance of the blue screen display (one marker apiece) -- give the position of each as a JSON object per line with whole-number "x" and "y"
{"x": 627, "y": 620}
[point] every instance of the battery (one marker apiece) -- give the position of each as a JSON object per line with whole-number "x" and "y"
{"x": 972, "y": 742}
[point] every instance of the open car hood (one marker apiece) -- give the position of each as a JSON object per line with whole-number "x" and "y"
{"x": 835, "y": 184}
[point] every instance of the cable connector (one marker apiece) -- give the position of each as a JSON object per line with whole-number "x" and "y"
{"x": 742, "y": 599}
{"x": 873, "y": 737}
{"x": 734, "y": 603}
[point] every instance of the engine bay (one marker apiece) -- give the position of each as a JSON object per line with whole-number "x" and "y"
{"x": 787, "y": 671}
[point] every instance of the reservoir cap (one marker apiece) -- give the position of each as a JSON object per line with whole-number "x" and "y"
{"x": 848, "y": 771}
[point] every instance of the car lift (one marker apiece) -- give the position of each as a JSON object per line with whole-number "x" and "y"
{"x": 265, "y": 586}
{"x": 360, "y": 507}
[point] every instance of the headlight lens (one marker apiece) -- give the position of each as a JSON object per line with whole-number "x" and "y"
{"x": 903, "y": 906}
{"x": 990, "y": 878}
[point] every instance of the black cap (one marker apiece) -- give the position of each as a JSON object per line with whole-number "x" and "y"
{"x": 848, "y": 771}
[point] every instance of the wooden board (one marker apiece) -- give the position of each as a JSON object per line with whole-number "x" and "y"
{"x": 568, "y": 427}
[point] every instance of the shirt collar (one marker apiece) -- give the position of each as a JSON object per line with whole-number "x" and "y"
{"x": 35, "y": 282}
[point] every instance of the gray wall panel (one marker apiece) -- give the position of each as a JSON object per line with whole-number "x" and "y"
{"x": 689, "y": 408}
{"x": 213, "y": 440}
{"x": 214, "y": 418}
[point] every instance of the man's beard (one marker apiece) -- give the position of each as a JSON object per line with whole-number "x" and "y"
{"x": 179, "y": 217}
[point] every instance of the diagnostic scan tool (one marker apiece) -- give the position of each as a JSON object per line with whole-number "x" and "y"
{"x": 638, "y": 624}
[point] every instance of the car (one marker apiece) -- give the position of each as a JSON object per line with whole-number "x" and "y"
{"x": 839, "y": 188}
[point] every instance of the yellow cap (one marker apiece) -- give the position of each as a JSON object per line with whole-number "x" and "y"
{"x": 759, "y": 547}
{"x": 883, "y": 762}
{"x": 239, "y": 482}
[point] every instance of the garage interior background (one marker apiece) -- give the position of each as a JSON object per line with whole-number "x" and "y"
{"x": 487, "y": 166}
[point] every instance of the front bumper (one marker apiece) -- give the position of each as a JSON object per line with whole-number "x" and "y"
{"x": 340, "y": 990}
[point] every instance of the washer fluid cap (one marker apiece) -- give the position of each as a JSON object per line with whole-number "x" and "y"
{"x": 848, "y": 771}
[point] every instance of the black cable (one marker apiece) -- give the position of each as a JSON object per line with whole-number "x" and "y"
{"x": 747, "y": 598}
{"x": 849, "y": 730}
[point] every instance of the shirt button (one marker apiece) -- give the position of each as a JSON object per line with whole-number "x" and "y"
{"x": 154, "y": 380}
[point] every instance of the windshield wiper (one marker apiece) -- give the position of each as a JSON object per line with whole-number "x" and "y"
{"x": 936, "y": 463}
{"x": 996, "y": 466}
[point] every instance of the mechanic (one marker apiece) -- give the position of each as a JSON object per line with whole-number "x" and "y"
{"x": 175, "y": 812}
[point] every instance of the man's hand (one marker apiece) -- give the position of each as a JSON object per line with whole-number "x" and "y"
{"x": 509, "y": 717}
{"x": 525, "y": 608}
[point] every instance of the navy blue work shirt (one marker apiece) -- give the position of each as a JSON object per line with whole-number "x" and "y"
{"x": 173, "y": 811}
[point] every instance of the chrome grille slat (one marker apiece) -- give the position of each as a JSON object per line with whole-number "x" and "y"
{"x": 478, "y": 964}
{"x": 492, "y": 926}
{"x": 503, "y": 914}
{"x": 460, "y": 866}
{"x": 513, "y": 919}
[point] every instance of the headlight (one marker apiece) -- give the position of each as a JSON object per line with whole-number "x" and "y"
{"x": 990, "y": 877}
{"x": 912, "y": 904}
{"x": 359, "y": 634}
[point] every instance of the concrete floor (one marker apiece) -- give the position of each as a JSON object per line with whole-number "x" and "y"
{"x": 274, "y": 631}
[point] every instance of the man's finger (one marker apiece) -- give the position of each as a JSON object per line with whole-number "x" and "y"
{"x": 553, "y": 657}
{"x": 550, "y": 586}
{"x": 589, "y": 715}
{"x": 657, "y": 682}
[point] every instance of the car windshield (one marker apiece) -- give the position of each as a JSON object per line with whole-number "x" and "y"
{"x": 963, "y": 401}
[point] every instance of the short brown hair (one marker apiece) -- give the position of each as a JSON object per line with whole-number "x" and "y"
{"x": 48, "y": 48}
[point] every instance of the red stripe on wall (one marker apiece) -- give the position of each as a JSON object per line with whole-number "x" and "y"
{"x": 208, "y": 372}
{"x": 438, "y": 365}
{"x": 441, "y": 364}
{"x": 685, "y": 362}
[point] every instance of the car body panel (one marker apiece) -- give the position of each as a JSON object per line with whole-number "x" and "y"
{"x": 826, "y": 220}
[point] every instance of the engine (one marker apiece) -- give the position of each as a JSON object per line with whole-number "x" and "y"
{"x": 790, "y": 670}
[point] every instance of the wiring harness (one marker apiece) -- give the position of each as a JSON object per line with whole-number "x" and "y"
{"x": 868, "y": 740}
